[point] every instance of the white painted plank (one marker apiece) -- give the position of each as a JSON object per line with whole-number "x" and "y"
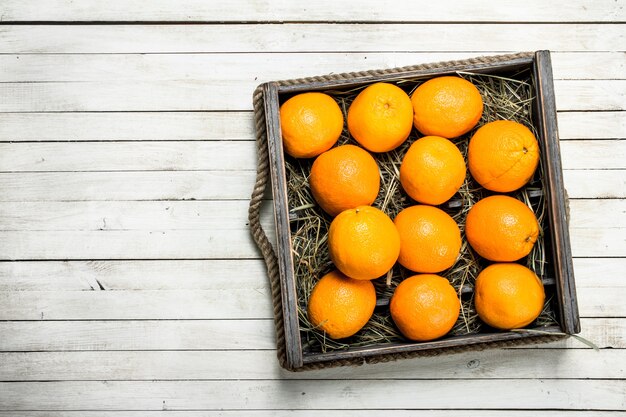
{"x": 130, "y": 156}
{"x": 262, "y": 67}
{"x": 594, "y": 125}
{"x": 595, "y": 184}
{"x": 311, "y": 413}
{"x": 207, "y": 215}
{"x": 599, "y": 272}
{"x": 148, "y": 126}
{"x": 221, "y": 155}
{"x": 194, "y": 95}
{"x": 262, "y": 364}
{"x": 233, "y": 303}
{"x": 210, "y": 244}
{"x": 326, "y": 10}
{"x": 593, "y": 154}
{"x": 597, "y": 213}
{"x": 215, "y": 185}
{"x": 595, "y": 242}
{"x": 188, "y": 335}
{"x": 151, "y": 215}
{"x": 132, "y": 244}
{"x": 98, "y": 186}
{"x": 192, "y": 274}
{"x": 153, "y": 275}
{"x": 306, "y": 394}
{"x": 252, "y": 303}
{"x": 461, "y": 37}
{"x": 124, "y": 335}
{"x": 137, "y": 126}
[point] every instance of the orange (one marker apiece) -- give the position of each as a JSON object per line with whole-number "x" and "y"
{"x": 380, "y": 117}
{"x": 503, "y": 155}
{"x": 424, "y": 307}
{"x": 311, "y": 123}
{"x": 430, "y": 239}
{"x": 341, "y": 306}
{"x": 363, "y": 243}
{"x": 501, "y": 228}
{"x": 446, "y": 106}
{"x": 432, "y": 170}
{"x": 344, "y": 177}
{"x": 508, "y": 296}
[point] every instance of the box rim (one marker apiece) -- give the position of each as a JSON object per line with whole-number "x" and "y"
{"x": 570, "y": 323}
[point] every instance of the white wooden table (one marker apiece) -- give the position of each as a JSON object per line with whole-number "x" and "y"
{"x": 129, "y": 281}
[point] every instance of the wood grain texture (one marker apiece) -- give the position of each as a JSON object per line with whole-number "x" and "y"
{"x": 337, "y": 394}
{"x": 201, "y": 335}
{"x": 121, "y": 126}
{"x": 195, "y": 95}
{"x": 219, "y": 155}
{"x": 214, "y": 214}
{"x": 228, "y": 303}
{"x": 326, "y": 10}
{"x": 261, "y": 365}
{"x": 461, "y": 37}
{"x": 193, "y": 274}
{"x": 201, "y": 126}
{"x": 556, "y": 199}
{"x": 261, "y": 66}
{"x": 200, "y": 244}
{"x": 216, "y": 185}
{"x": 309, "y": 413}
{"x": 139, "y": 185}
{"x": 142, "y": 117}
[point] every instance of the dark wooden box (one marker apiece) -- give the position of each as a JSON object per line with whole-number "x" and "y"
{"x": 555, "y": 223}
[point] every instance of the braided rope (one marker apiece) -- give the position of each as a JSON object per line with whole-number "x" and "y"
{"x": 269, "y": 255}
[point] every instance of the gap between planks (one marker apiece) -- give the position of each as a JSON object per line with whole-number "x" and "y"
{"x": 557, "y": 394}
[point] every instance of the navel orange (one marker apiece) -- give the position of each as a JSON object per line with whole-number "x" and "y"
{"x": 446, "y": 106}
{"x": 501, "y": 228}
{"x": 344, "y": 177}
{"x": 425, "y": 307}
{"x": 432, "y": 170}
{"x": 430, "y": 239}
{"x": 380, "y": 117}
{"x": 311, "y": 123}
{"x": 503, "y": 155}
{"x": 341, "y": 306}
{"x": 363, "y": 243}
{"x": 508, "y": 296}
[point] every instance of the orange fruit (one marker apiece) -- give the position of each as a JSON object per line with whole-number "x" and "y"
{"x": 432, "y": 170}
{"x": 344, "y": 177}
{"x": 425, "y": 307}
{"x": 501, "y": 228}
{"x": 341, "y": 306}
{"x": 363, "y": 243}
{"x": 380, "y": 117}
{"x": 503, "y": 155}
{"x": 310, "y": 123}
{"x": 446, "y": 106}
{"x": 430, "y": 240}
{"x": 508, "y": 296}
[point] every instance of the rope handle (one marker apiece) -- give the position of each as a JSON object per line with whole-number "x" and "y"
{"x": 254, "y": 218}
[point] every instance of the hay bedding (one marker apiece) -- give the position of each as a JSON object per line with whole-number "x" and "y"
{"x": 508, "y": 97}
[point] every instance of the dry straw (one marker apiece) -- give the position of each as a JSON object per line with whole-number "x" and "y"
{"x": 507, "y": 97}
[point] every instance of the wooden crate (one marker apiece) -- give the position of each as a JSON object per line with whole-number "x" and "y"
{"x": 555, "y": 224}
